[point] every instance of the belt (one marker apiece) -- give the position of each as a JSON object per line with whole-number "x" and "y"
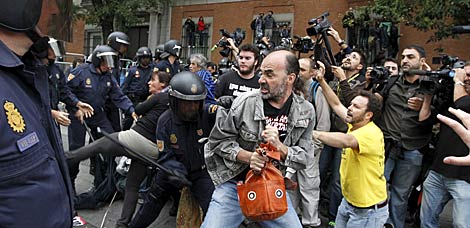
{"x": 375, "y": 206}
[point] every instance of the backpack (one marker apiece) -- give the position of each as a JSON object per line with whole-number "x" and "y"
{"x": 253, "y": 24}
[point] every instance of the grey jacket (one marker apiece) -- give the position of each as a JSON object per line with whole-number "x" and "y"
{"x": 240, "y": 127}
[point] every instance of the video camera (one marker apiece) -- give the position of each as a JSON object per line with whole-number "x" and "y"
{"x": 319, "y": 24}
{"x": 238, "y": 36}
{"x": 437, "y": 81}
{"x": 303, "y": 44}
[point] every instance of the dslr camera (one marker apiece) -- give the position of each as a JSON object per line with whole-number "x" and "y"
{"x": 303, "y": 44}
{"x": 238, "y": 36}
{"x": 379, "y": 74}
{"x": 318, "y": 24}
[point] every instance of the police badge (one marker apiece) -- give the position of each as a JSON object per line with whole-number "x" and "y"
{"x": 15, "y": 119}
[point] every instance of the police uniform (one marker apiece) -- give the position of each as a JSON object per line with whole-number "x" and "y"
{"x": 35, "y": 189}
{"x": 90, "y": 86}
{"x": 136, "y": 88}
{"x": 165, "y": 66}
{"x": 180, "y": 141}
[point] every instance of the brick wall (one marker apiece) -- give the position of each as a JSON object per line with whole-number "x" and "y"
{"x": 239, "y": 14}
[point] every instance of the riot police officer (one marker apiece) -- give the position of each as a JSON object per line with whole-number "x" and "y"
{"x": 58, "y": 89}
{"x": 135, "y": 86}
{"x": 93, "y": 83}
{"x": 35, "y": 189}
{"x": 170, "y": 57}
{"x": 158, "y": 51}
{"x": 180, "y": 139}
{"x": 120, "y": 42}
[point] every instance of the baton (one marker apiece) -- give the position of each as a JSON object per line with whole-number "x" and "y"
{"x": 179, "y": 176}
{"x": 88, "y": 130}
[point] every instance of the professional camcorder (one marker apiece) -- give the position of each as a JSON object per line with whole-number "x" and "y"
{"x": 440, "y": 80}
{"x": 318, "y": 24}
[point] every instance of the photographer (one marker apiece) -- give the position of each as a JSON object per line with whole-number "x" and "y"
{"x": 407, "y": 126}
{"x": 445, "y": 182}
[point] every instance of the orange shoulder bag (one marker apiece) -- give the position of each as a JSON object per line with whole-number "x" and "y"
{"x": 263, "y": 196}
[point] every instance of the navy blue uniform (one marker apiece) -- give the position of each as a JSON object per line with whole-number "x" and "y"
{"x": 91, "y": 87}
{"x": 165, "y": 66}
{"x": 136, "y": 88}
{"x": 35, "y": 189}
{"x": 180, "y": 141}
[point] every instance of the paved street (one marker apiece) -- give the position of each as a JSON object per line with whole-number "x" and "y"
{"x": 95, "y": 217}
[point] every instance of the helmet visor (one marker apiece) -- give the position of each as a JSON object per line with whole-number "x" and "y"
{"x": 109, "y": 60}
{"x": 57, "y": 46}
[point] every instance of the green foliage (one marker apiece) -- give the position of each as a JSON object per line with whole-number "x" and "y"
{"x": 118, "y": 13}
{"x": 438, "y": 16}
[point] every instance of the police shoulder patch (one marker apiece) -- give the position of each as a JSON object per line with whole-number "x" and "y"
{"x": 173, "y": 139}
{"x": 70, "y": 77}
{"x": 160, "y": 145}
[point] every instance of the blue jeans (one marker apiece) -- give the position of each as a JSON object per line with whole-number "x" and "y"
{"x": 351, "y": 217}
{"x": 330, "y": 157}
{"x": 224, "y": 210}
{"x": 438, "y": 190}
{"x": 405, "y": 172}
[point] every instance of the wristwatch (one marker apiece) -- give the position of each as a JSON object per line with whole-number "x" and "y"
{"x": 459, "y": 83}
{"x": 341, "y": 43}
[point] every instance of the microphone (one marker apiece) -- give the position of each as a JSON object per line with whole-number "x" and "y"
{"x": 461, "y": 29}
{"x": 443, "y": 72}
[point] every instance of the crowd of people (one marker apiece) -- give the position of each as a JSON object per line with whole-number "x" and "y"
{"x": 355, "y": 147}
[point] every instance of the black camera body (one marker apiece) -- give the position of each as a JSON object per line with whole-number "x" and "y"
{"x": 379, "y": 74}
{"x": 319, "y": 24}
{"x": 439, "y": 81}
{"x": 303, "y": 44}
{"x": 238, "y": 36}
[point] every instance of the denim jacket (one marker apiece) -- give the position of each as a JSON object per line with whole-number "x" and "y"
{"x": 240, "y": 127}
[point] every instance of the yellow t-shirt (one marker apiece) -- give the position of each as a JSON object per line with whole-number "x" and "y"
{"x": 362, "y": 171}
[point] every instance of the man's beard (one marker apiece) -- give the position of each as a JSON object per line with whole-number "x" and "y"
{"x": 357, "y": 120}
{"x": 250, "y": 69}
{"x": 273, "y": 95}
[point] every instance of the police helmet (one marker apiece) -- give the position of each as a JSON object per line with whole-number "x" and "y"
{"x": 171, "y": 47}
{"x": 187, "y": 86}
{"x": 159, "y": 50}
{"x": 116, "y": 39}
{"x": 20, "y": 15}
{"x": 144, "y": 52}
{"x": 103, "y": 53}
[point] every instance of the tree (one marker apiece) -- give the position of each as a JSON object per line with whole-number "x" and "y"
{"x": 438, "y": 16}
{"x": 116, "y": 15}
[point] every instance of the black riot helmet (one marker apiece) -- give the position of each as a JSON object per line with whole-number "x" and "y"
{"x": 186, "y": 89}
{"x": 158, "y": 51}
{"x": 20, "y": 15}
{"x": 171, "y": 47}
{"x": 116, "y": 39}
{"x": 144, "y": 52}
{"x": 103, "y": 53}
